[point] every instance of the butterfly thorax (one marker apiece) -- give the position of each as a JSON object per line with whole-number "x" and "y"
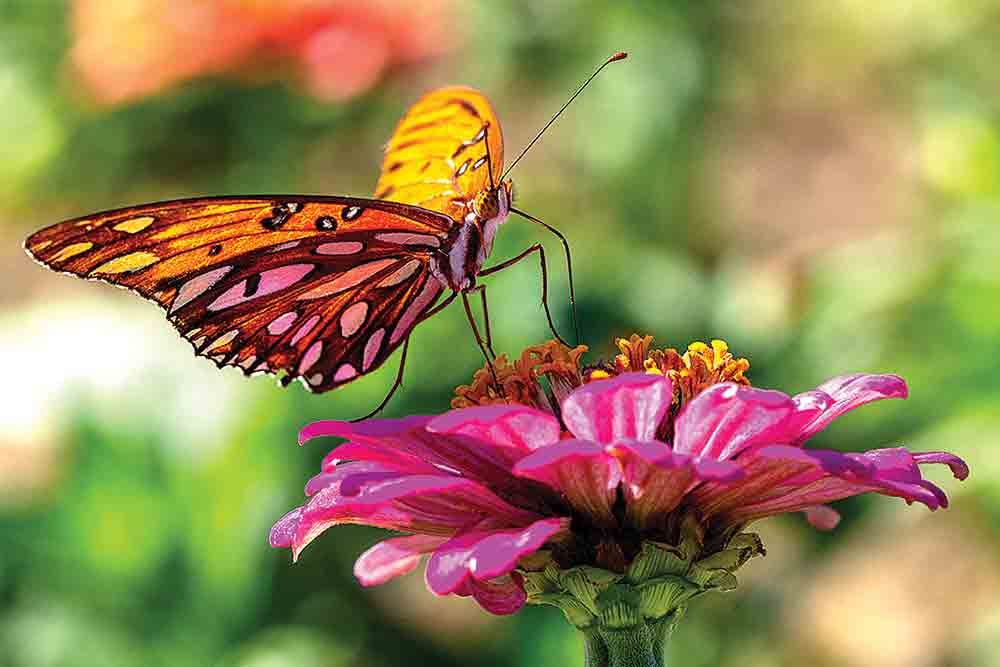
{"x": 470, "y": 241}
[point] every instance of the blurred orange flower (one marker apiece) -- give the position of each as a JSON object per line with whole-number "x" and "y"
{"x": 130, "y": 49}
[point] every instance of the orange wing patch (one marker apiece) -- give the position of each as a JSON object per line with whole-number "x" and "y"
{"x": 319, "y": 288}
{"x": 437, "y": 157}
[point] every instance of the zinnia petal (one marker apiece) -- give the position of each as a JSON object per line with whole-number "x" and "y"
{"x": 501, "y": 596}
{"x": 518, "y": 428}
{"x": 486, "y": 555}
{"x": 368, "y": 429}
{"x": 849, "y": 392}
{"x": 656, "y": 479}
{"x": 630, "y": 406}
{"x": 579, "y": 469}
{"x": 726, "y": 418}
{"x": 394, "y": 557}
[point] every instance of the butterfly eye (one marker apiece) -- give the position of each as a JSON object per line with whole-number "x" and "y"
{"x": 325, "y": 223}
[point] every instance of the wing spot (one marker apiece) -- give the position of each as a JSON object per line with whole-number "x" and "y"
{"x": 215, "y": 250}
{"x": 304, "y": 330}
{"x": 134, "y": 225}
{"x": 464, "y": 167}
{"x": 223, "y": 340}
{"x": 311, "y": 356}
{"x": 128, "y": 263}
{"x": 197, "y": 286}
{"x": 71, "y": 251}
{"x": 345, "y": 373}
{"x": 270, "y": 281}
{"x": 340, "y": 248}
{"x": 282, "y": 323}
{"x": 283, "y": 246}
{"x": 372, "y": 348}
{"x": 353, "y": 319}
{"x": 409, "y": 238}
{"x": 348, "y": 279}
{"x": 398, "y": 276}
{"x": 248, "y": 362}
{"x": 385, "y": 192}
{"x": 325, "y": 223}
{"x": 479, "y": 163}
{"x": 315, "y": 380}
{"x": 281, "y": 214}
{"x": 351, "y": 213}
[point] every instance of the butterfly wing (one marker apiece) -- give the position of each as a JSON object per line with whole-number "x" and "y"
{"x": 437, "y": 157}
{"x": 320, "y": 288}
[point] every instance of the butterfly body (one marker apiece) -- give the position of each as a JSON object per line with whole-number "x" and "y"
{"x": 470, "y": 242}
{"x": 318, "y": 288}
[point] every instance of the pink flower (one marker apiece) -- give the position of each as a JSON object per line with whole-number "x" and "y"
{"x": 504, "y": 496}
{"x": 128, "y": 50}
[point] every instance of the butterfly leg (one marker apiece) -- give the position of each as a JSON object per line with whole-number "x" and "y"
{"x": 569, "y": 265}
{"x": 395, "y": 385}
{"x": 481, "y": 343}
{"x": 545, "y": 282}
{"x": 486, "y": 318}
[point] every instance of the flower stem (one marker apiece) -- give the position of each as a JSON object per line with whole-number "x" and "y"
{"x": 636, "y": 646}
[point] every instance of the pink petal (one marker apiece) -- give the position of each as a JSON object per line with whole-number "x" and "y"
{"x": 726, "y": 418}
{"x": 822, "y": 517}
{"x": 806, "y": 478}
{"x": 428, "y": 504}
{"x": 394, "y": 557}
{"x": 333, "y": 477}
{"x": 849, "y": 392}
{"x": 502, "y": 596}
{"x": 581, "y": 470}
{"x": 370, "y": 428}
{"x": 630, "y": 406}
{"x": 959, "y": 468}
{"x": 482, "y": 556}
{"x": 656, "y": 479}
{"x": 517, "y": 428}
{"x": 283, "y": 531}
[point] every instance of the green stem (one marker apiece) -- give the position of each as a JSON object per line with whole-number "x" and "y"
{"x": 637, "y": 646}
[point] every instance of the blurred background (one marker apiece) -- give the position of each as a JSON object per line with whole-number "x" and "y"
{"x": 817, "y": 183}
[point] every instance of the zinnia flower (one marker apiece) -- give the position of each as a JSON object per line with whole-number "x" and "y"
{"x": 617, "y": 492}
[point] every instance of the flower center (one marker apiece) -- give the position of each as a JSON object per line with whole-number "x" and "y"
{"x": 698, "y": 368}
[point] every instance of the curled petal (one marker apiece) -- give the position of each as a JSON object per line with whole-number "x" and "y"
{"x": 581, "y": 470}
{"x": 822, "y": 517}
{"x": 959, "y": 468}
{"x": 501, "y": 596}
{"x": 486, "y": 555}
{"x": 849, "y": 392}
{"x": 282, "y": 534}
{"x": 814, "y": 477}
{"x": 368, "y": 429}
{"x": 393, "y": 558}
{"x": 630, "y": 406}
{"x": 726, "y": 418}
{"x": 516, "y": 428}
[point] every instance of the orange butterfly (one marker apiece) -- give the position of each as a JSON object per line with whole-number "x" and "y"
{"x": 318, "y": 288}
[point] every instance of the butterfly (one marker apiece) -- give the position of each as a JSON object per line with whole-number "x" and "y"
{"x": 317, "y": 288}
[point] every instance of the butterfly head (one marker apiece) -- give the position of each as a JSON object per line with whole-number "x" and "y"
{"x": 493, "y": 203}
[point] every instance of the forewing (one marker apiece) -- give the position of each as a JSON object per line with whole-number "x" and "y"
{"x": 322, "y": 288}
{"x": 436, "y": 158}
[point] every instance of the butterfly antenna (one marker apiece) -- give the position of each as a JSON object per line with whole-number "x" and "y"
{"x": 621, "y": 55}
